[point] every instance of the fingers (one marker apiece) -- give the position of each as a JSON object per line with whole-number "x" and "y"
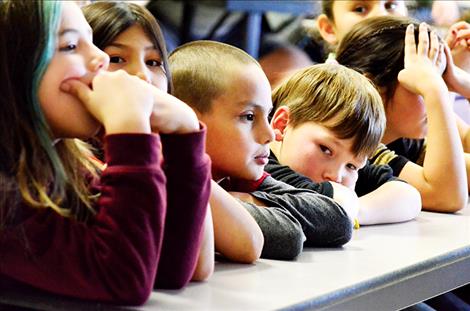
{"x": 423, "y": 43}
{"x": 451, "y": 38}
{"x": 448, "y": 53}
{"x": 463, "y": 37}
{"x": 434, "y": 47}
{"x": 77, "y": 89}
{"x": 410, "y": 44}
{"x": 459, "y": 34}
{"x": 459, "y": 26}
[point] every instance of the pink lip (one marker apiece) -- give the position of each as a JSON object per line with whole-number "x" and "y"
{"x": 262, "y": 159}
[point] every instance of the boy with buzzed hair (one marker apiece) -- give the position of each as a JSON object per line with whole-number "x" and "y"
{"x": 232, "y": 96}
{"x": 337, "y": 117}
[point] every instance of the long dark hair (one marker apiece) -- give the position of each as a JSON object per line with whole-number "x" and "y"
{"x": 109, "y": 19}
{"x": 46, "y": 175}
{"x": 375, "y": 47}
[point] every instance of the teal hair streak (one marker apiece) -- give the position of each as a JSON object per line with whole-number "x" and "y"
{"x": 51, "y": 13}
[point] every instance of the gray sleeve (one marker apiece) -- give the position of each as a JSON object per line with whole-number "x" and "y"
{"x": 324, "y": 222}
{"x": 283, "y": 235}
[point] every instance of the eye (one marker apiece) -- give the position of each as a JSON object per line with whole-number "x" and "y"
{"x": 116, "y": 59}
{"x": 326, "y": 150}
{"x": 360, "y": 9}
{"x": 69, "y": 47}
{"x": 351, "y": 167}
{"x": 153, "y": 63}
{"x": 390, "y": 6}
{"x": 248, "y": 117}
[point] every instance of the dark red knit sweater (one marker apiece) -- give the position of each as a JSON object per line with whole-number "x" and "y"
{"x": 146, "y": 232}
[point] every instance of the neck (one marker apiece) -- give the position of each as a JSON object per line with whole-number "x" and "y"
{"x": 389, "y": 137}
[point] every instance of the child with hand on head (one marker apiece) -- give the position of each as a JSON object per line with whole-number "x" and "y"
{"x": 231, "y": 94}
{"x": 131, "y": 37}
{"x": 328, "y": 120}
{"x": 421, "y": 141}
{"x": 67, "y": 226}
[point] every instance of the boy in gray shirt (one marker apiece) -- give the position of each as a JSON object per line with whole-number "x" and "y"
{"x": 232, "y": 96}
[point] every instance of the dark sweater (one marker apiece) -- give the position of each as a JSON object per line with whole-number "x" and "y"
{"x": 294, "y": 217}
{"x": 370, "y": 177}
{"x": 114, "y": 256}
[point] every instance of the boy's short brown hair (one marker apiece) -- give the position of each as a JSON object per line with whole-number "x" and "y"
{"x": 339, "y": 98}
{"x": 202, "y": 71}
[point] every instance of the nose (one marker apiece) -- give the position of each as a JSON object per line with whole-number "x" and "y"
{"x": 333, "y": 174}
{"x": 140, "y": 70}
{"x": 266, "y": 133}
{"x": 99, "y": 60}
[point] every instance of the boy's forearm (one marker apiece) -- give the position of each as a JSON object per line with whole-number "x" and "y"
{"x": 394, "y": 201}
{"x": 205, "y": 262}
{"x": 347, "y": 199}
{"x": 283, "y": 234}
{"x": 237, "y": 235}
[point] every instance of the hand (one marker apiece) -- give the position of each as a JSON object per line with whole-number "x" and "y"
{"x": 121, "y": 102}
{"x": 424, "y": 63}
{"x": 458, "y": 40}
{"x": 457, "y": 79}
{"x": 171, "y": 115}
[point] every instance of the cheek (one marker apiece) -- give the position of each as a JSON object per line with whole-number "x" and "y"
{"x": 160, "y": 82}
{"x": 343, "y": 26}
{"x": 307, "y": 163}
{"x": 114, "y": 67}
{"x": 350, "y": 180}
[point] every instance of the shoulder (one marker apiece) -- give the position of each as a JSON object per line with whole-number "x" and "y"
{"x": 384, "y": 155}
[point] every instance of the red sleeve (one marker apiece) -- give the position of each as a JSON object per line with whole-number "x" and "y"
{"x": 187, "y": 168}
{"x": 114, "y": 257}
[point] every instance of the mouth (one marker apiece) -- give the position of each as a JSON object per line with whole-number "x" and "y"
{"x": 262, "y": 159}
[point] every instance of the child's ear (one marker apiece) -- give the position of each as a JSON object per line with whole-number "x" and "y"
{"x": 326, "y": 29}
{"x": 280, "y": 121}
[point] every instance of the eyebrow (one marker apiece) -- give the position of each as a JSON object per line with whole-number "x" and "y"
{"x": 72, "y": 30}
{"x": 253, "y": 105}
{"x": 122, "y": 46}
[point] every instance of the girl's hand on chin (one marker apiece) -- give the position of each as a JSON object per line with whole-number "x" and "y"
{"x": 121, "y": 102}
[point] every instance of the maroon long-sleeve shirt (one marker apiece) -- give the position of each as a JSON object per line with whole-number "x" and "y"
{"x": 149, "y": 217}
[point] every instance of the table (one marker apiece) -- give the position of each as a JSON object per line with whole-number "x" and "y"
{"x": 384, "y": 267}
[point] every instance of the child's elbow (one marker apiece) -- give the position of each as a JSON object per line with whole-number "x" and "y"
{"x": 253, "y": 249}
{"x": 446, "y": 204}
{"x": 287, "y": 247}
{"x": 203, "y": 272}
{"x": 413, "y": 199}
{"x": 455, "y": 206}
{"x": 342, "y": 234}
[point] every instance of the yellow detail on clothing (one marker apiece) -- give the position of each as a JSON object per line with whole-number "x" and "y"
{"x": 383, "y": 155}
{"x": 356, "y": 223}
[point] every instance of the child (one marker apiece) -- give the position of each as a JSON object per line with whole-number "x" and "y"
{"x": 337, "y": 116}
{"x": 416, "y": 105}
{"x": 123, "y": 31}
{"x": 66, "y": 226}
{"x": 130, "y": 35}
{"x": 231, "y": 94}
{"x": 338, "y": 17}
